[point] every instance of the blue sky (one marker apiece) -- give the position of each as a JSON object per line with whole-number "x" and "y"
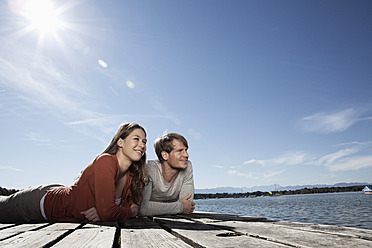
{"x": 266, "y": 92}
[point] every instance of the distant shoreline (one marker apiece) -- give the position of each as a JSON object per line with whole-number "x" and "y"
{"x": 314, "y": 190}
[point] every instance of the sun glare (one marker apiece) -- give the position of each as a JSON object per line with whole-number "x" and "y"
{"x": 42, "y": 16}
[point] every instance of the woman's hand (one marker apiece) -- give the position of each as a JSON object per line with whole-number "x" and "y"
{"x": 91, "y": 214}
{"x": 134, "y": 208}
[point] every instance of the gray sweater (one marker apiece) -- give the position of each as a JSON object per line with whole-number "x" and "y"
{"x": 160, "y": 197}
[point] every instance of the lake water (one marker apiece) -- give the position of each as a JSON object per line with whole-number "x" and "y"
{"x": 342, "y": 209}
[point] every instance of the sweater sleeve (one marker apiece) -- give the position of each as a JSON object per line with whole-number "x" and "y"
{"x": 105, "y": 173}
{"x": 188, "y": 183}
{"x": 153, "y": 208}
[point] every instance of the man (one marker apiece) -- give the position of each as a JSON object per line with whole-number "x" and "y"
{"x": 171, "y": 185}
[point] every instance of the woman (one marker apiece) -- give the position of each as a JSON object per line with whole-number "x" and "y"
{"x": 108, "y": 189}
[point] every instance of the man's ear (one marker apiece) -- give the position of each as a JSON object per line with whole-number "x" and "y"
{"x": 164, "y": 155}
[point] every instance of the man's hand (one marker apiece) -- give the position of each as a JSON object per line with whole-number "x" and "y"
{"x": 91, "y": 214}
{"x": 188, "y": 206}
{"x": 134, "y": 208}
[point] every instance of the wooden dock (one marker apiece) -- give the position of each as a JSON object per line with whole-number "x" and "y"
{"x": 199, "y": 229}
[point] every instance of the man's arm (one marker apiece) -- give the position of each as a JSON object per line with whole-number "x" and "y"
{"x": 188, "y": 183}
{"x": 151, "y": 208}
{"x": 187, "y": 191}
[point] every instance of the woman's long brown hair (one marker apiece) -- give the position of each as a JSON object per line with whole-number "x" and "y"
{"x": 138, "y": 168}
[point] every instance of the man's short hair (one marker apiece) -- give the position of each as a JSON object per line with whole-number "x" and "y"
{"x": 165, "y": 143}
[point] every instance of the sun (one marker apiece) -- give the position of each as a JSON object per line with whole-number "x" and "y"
{"x": 41, "y": 15}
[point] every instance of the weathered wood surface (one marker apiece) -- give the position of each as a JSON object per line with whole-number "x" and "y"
{"x": 220, "y": 230}
{"x": 34, "y": 235}
{"x": 143, "y": 232}
{"x": 58, "y": 235}
{"x": 199, "y": 229}
{"x": 90, "y": 235}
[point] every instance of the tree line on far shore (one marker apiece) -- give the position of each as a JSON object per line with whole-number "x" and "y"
{"x": 314, "y": 190}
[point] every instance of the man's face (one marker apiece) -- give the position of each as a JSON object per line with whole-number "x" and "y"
{"x": 178, "y": 157}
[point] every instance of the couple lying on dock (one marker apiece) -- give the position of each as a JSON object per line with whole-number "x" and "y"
{"x": 116, "y": 185}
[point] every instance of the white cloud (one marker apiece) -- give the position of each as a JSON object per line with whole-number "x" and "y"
{"x": 235, "y": 172}
{"x": 351, "y": 158}
{"x": 240, "y": 174}
{"x": 218, "y": 166}
{"x": 332, "y": 122}
{"x": 366, "y": 118}
{"x": 254, "y": 161}
{"x": 354, "y": 143}
{"x": 274, "y": 166}
{"x": 273, "y": 173}
{"x": 10, "y": 168}
{"x": 290, "y": 158}
{"x": 249, "y": 161}
{"x": 330, "y": 159}
{"x": 352, "y": 163}
{"x": 38, "y": 82}
{"x": 38, "y": 138}
{"x": 106, "y": 123}
{"x": 251, "y": 176}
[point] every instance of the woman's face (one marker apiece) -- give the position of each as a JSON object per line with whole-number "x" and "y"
{"x": 134, "y": 145}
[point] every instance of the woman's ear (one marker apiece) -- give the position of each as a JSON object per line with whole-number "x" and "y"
{"x": 120, "y": 142}
{"x": 164, "y": 155}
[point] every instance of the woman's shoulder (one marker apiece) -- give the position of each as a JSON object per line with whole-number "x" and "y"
{"x": 105, "y": 159}
{"x": 106, "y": 156}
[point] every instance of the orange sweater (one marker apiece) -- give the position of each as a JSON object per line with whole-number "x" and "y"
{"x": 94, "y": 188}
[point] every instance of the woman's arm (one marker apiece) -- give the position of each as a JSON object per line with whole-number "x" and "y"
{"x": 105, "y": 174}
{"x": 92, "y": 215}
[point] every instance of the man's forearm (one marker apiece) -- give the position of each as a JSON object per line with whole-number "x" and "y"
{"x": 152, "y": 208}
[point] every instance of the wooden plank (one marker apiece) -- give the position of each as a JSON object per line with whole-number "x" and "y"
{"x": 337, "y": 230}
{"x": 293, "y": 237}
{"x": 32, "y": 239}
{"x": 42, "y": 236}
{"x": 3, "y": 226}
{"x": 17, "y": 229}
{"x": 142, "y": 232}
{"x": 208, "y": 217}
{"x": 196, "y": 230}
{"x": 62, "y": 226}
{"x": 140, "y": 222}
{"x": 205, "y": 235}
{"x": 90, "y": 235}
